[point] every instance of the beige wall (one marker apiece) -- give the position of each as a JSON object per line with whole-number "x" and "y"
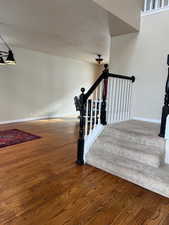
{"x": 144, "y": 55}
{"x": 128, "y": 10}
{"x": 41, "y": 85}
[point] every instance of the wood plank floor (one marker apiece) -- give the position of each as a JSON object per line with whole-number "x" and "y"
{"x": 40, "y": 184}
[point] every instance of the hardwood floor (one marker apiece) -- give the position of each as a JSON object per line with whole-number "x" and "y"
{"x": 40, "y": 184}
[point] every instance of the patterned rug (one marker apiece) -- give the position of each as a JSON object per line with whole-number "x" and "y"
{"x": 15, "y": 136}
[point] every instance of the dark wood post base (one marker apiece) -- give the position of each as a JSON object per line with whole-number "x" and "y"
{"x": 103, "y": 113}
{"x": 165, "y": 113}
{"x": 165, "y": 110}
{"x": 80, "y": 152}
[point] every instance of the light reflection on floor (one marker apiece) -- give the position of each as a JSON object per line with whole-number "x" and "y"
{"x": 60, "y": 120}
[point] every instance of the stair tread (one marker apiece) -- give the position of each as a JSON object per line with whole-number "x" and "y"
{"x": 143, "y": 128}
{"x": 154, "y": 179}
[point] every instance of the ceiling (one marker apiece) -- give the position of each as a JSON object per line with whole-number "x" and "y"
{"x": 79, "y": 29}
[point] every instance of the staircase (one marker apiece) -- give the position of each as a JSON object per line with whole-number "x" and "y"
{"x": 110, "y": 140}
{"x": 132, "y": 150}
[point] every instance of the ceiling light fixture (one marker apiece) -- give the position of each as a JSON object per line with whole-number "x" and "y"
{"x": 6, "y": 57}
{"x": 2, "y": 62}
{"x": 99, "y": 59}
{"x": 10, "y": 58}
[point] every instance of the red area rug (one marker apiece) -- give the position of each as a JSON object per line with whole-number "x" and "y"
{"x": 15, "y": 136}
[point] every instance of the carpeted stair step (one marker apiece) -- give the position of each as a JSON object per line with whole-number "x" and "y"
{"x": 147, "y": 155}
{"x": 147, "y": 134}
{"x": 154, "y": 179}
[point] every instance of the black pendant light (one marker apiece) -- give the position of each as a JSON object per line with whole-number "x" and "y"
{"x": 10, "y": 58}
{"x": 2, "y": 62}
{"x": 6, "y": 57}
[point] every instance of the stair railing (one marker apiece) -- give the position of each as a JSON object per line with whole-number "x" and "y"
{"x": 155, "y": 5}
{"x": 108, "y": 101}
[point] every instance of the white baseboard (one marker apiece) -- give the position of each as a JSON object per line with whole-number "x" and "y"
{"x": 24, "y": 120}
{"x": 64, "y": 115}
{"x": 147, "y": 119}
{"x": 36, "y": 118}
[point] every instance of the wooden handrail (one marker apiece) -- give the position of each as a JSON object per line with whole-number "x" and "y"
{"x": 103, "y": 76}
{"x": 132, "y": 78}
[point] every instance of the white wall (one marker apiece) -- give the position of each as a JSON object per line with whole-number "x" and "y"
{"x": 144, "y": 55}
{"x": 41, "y": 85}
{"x": 128, "y": 10}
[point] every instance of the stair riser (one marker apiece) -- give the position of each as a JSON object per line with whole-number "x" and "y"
{"x": 122, "y": 143}
{"x": 122, "y": 162}
{"x": 132, "y": 176}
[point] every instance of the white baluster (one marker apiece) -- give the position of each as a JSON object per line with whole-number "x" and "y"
{"x": 162, "y": 4}
{"x": 109, "y": 99}
{"x": 108, "y": 102}
{"x": 115, "y": 99}
{"x": 145, "y": 6}
{"x": 131, "y": 102}
{"x": 95, "y": 108}
{"x": 119, "y": 99}
{"x": 118, "y": 106}
{"x": 151, "y": 5}
{"x": 100, "y": 100}
{"x": 123, "y": 100}
{"x": 118, "y": 90}
{"x": 128, "y": 97}
{"x": 91, "y": 116}
{"x": 156, "y": 4}
{"x": 87, "y": 118}
{"x": 112, "y": 99}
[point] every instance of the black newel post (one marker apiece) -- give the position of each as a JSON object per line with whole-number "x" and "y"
{"x": 165, "y": 110}
{"x": 103, "y": 105}
{"x": 80, "y": 144}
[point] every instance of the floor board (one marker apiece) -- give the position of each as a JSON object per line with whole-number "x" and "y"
{"x": 40, "y": 184}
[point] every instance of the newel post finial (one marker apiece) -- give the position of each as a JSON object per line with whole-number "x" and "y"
{"x": 106, "y": 68}
{"x": 82, "y": 90}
